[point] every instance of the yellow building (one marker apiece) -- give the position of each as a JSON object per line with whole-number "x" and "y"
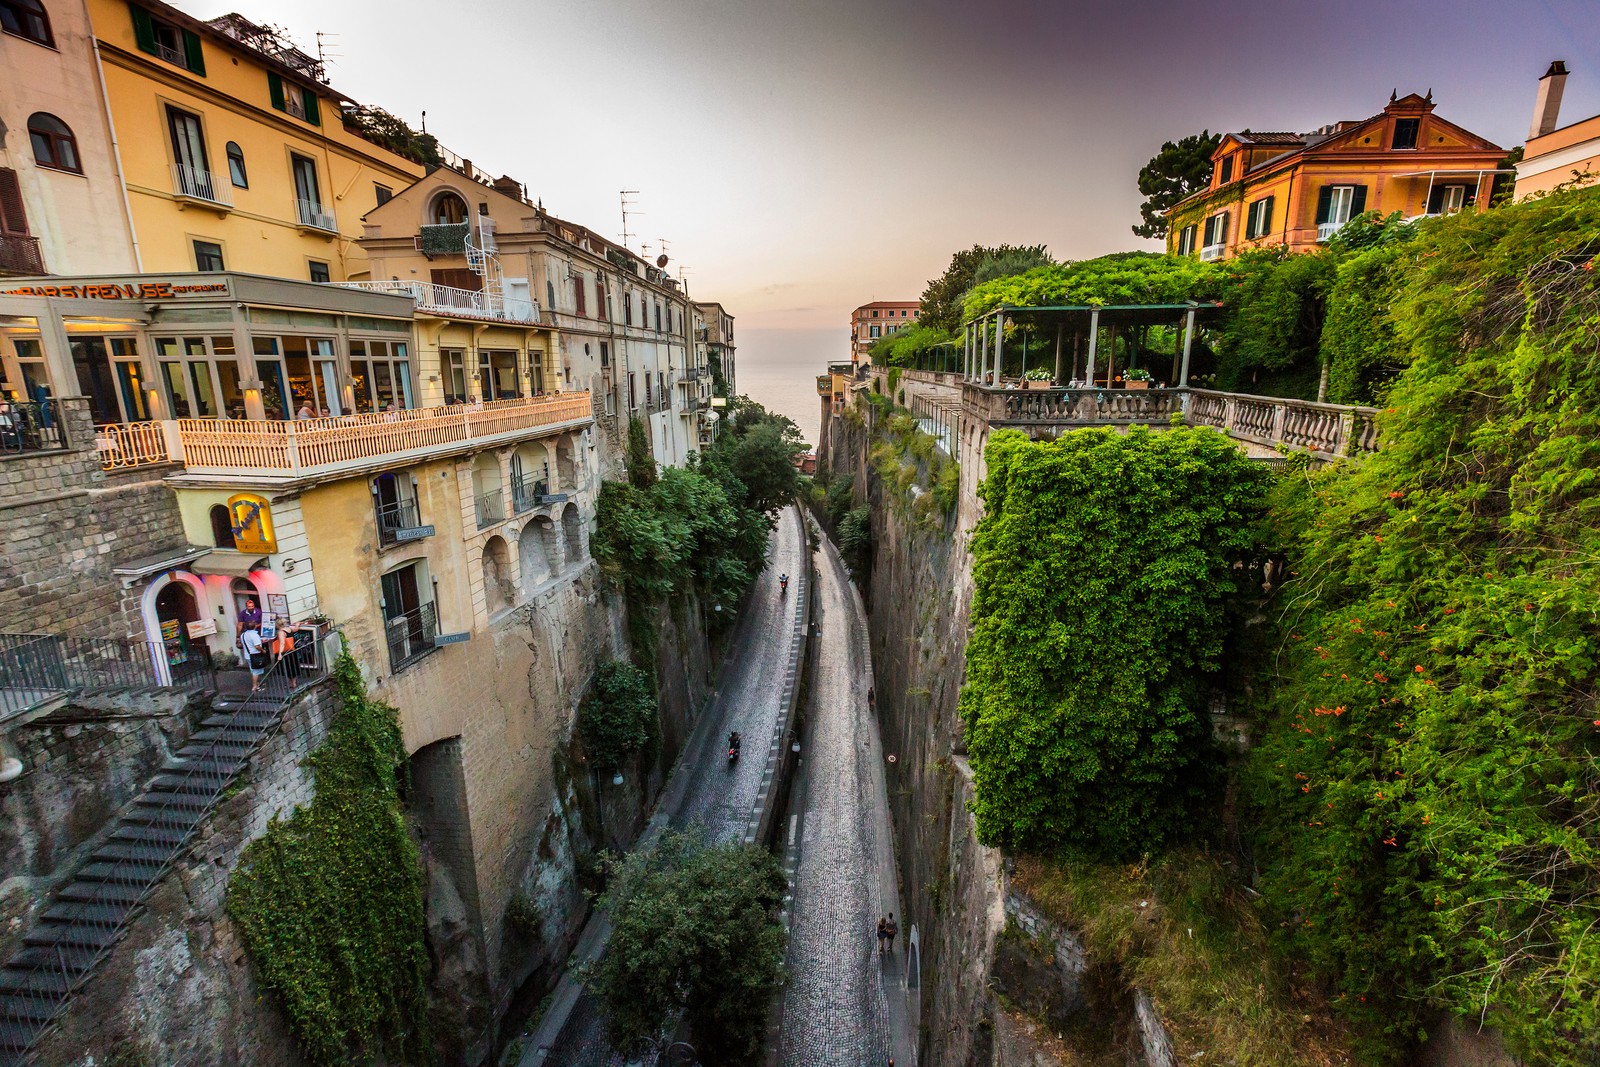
{"x": 1296, "y": 190}
{"x": 236, "y": 154}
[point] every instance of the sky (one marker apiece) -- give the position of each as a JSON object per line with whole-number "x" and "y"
{"x": 801, "y": 158}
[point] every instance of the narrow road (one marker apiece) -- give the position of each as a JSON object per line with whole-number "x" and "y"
{"x": 703, "y": 790}
{"x": 844, "y": 1003}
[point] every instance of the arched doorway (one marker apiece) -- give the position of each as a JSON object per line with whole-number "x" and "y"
{"x": 176, "y": 607}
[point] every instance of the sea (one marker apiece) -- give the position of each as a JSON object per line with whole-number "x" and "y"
{"x": 779, "y": 368}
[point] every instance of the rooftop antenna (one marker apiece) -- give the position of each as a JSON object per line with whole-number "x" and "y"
{"x": 626, "y": 204}
{"x": 683, "y": 276}
{"x": 424, "y": 122}
{"x": 326, "y": 54}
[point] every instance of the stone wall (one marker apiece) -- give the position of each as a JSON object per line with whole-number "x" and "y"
{"x": 179, "y": 987}
{"x": 65, "y": 524}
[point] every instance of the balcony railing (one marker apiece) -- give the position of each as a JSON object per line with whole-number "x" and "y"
{"x": 38, "y": 668}
{"x": 1326, "y": 230}
{"x": 399, "y": 521}
{"x": 317, "y": 446}
{"x": 491, "y": 507}
{"x": 134, "y": 444}
{"x": 314, "y": 215}
{"x": 410, "y": 636}
{"x": 1210, "y": 252}
{"x": 197, "y": 183}
{"x": 452, "y": 301}
{"x": 19, "y": 254}
{"x": 530, "y": 492}
{"x": 31, "y": 427}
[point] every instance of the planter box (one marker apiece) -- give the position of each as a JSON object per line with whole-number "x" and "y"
{"x": 1136, "y": 385}
{"x": 1031, "y": 384}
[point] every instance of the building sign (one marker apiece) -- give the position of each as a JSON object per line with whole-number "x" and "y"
{"x": 413, "y": 533}
{"x": 553, "y": 498}
{"x": 451, "y": 639}
{"x": 117, "y": 290}
{"x": 203, "y": 628}
{"x": 252, "y": 524}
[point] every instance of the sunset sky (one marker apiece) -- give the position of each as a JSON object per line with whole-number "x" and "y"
{"x": 802, "y": 158}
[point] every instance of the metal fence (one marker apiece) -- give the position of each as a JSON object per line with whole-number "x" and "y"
{"x": 32, "y": 426}
{"x": 411, "y": 635}
{"x": 395, "y": 517}
{"x": 38, "y": 668}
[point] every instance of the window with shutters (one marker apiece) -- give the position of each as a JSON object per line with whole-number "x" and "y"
{"x": 28, "y": 19}
{"x": 294, "y": 100}
{"x": 579, "y": 296}
{"x": 13, "y": 218}
{"x": 1216, "y": 229}
{"x": 1259, "y": 221}
{"x": 1186, "y": 240}
{"x": 1405, "y": 133}
{"x": 600, "y": 298}
{"x": 1225, "y": 173}
{"x": 168, "y": 41}
{"x": 53, "y": 143}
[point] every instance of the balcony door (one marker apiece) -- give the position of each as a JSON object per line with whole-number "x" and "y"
{"x": 93, "y": 368}
{"x": 193, "y": 177}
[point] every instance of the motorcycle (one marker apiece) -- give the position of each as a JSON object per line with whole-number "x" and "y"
{"x": 783, "y": 584}
{"x": 733, "y": 747}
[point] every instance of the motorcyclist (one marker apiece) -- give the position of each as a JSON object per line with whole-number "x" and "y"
{"x": 733, "y": 744}
{"x": 783, "y": 583}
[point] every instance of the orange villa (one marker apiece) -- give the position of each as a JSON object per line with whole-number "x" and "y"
{"x": 878, "y": 319}
{"x": 1296, "y": 190}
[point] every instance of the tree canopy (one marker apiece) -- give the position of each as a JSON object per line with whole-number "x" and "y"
{"x": 1178, "y": 170}
{"x": 941, "y": 304}
{"x": 1120, "y": 278}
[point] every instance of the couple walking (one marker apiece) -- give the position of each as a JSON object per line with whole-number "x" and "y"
{"x": 887, "y": 929}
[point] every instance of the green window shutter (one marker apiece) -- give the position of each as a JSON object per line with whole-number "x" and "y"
{"x": 275, "y": 86}
{"x": 144, "y": 31}
{"x": 1324, "y": 203}
{"x": 313, "y": 112}
{"x": 1358, "y": 201}
{"x": 192, "y": 53}
{"x": 1266, "y": 217}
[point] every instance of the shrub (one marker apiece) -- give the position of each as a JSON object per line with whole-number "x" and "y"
{"x": 618, "y": 720}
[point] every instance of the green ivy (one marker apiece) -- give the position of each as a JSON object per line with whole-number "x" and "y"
{"x": 1105, "y": 575}
{"x": 1427, "y": 783}
{"x": 618, "y": 720}
{"x": 330, "y": 901}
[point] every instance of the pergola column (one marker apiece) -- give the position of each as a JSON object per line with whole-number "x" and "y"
{"x": 999, "y": 346}
{"x": 983, "y": 355}
{"x": 1058, "y": 355}
{"x": 1188, "y": 341}
{"x": 1094, "y": 344}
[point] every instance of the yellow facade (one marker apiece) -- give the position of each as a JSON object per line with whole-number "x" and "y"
{"x": 460, "y": 360}
{"x": 166, "y": 111}
{"x": 1288, "y": 190}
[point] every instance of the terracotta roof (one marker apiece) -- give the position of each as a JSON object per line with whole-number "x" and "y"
{"x": 1271, "y": 138}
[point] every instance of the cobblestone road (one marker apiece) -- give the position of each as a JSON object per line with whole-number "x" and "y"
{"x": 844, "y": 1004}
{"x": 704, "y": 790}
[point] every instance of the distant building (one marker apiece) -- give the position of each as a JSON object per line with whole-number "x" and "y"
{"x": 714, "y": 340}
{"x": 878, "y": 319}
{"x": 1556, "y": 156}
{"x": 1296, "y": 190}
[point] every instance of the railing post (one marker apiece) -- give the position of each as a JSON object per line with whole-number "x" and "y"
{"x": 173, "y": 439}
{"x": 1229, "y": 410}
{"x": 1280, "y": 413}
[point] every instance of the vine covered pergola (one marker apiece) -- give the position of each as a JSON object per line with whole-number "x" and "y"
{"x": 1086, "y": 344}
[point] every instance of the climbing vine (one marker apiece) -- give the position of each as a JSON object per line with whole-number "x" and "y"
{"x": 329, "y": 901}
{"x": 1105, "y": 571}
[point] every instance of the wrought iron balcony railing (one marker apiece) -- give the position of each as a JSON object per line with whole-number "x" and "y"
{"x": 410, "y": 636}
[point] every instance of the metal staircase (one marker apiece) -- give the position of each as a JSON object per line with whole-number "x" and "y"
{"x": 87, "y": 916}
{"x": 484, "y": 261}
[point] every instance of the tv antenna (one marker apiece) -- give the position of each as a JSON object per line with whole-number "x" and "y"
{"x": 325, "y": 54}
{"x": 626, "y": 204}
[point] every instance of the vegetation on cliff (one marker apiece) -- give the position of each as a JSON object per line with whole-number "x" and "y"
{"x": 329, "y": 901}
{"x": 1105, "y": 571}
{"x": 695, "y": 938}
{"x": 618, "y": 719}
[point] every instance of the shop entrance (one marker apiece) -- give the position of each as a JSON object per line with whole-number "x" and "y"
{"x": 176, "y": 608}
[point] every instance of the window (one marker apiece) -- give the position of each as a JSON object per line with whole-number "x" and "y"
{"x": 658, "y": 316}
{"x": 172, "y": 43}
{"x": 191, "y": 166}
{"x": 454, "y": 363}
{"x": 236, "y": 171}
{"x": 208, "y": 256}
{"x": 497, "y": 375}
{"x": 26, "y": 18}
{"x": 600, "y": 297}
{"x": 877, "y": 331}
{"x": 1448, "y": 199}
{"x": 294, "y": 100}
{"x": 13, "y": 219}
{"x": 1259, "y": 222}
{"x": 308, "y": 193}
{"x": 874, "y": 312}
{"x": 409, "y": 621}
{"x": 448, "y": 210}
{"x": 1405, "y": 133}
{"x": 200, "y": 376}
{"x": 380, "y": 376}
{"x": 319, "y": 271}
{"x": 383, "y": 193}
{"x": 394, "y": 500}
{"x": 53, "y": 143}
{"x": 578, "y": 294}
{"x": 1337, "y": 205}
{"x": 221, "y": 526}
{"x": 633, "y": 392}
{"x": 627, "y": 308}
{"x": 1186, "y": 240}
{"x": 1225, "y": 175}
{"x": 1216, "y": 234}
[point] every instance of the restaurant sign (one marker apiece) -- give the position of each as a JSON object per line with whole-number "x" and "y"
{"x": 251, "y": 518}
{"x": 117, "y": 290}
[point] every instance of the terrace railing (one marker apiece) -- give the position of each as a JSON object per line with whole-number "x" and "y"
{"x": 410, "y": 636}
{"x": 32, "y": 426}
{"x": 36, "y": 669}
{"x": 133, "y": 444}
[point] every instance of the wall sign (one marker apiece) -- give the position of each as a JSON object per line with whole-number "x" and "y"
{"x": 252, "y": 524}
{"x": 116, "y": 290}
{"x": 413, "y": 533}
{"x": 203, "y": 628}
{"x": 451, "y": 639}
{"x": 278, "y": 606}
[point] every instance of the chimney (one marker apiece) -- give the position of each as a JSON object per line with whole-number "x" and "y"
{"x": 509, "y": 186}
{"x": 1548, "y": 103}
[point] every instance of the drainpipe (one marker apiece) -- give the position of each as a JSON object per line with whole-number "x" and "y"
{"x": 122, "y": 183}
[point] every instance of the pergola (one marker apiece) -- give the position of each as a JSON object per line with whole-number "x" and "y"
{"x": 1084, "y": 324}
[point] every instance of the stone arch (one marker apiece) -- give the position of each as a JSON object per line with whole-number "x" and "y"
{"x": 499, "y": 591}
{"x": 572, "y": 533}
{"x": 538, "y": 552}
{"x": 152, "y": 620}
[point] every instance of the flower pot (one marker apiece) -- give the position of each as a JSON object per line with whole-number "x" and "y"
{"x": 1032, "y": 384}
{"x": 1140, "y": 384}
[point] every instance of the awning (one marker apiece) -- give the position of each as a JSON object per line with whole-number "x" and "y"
{"x": 227, "y": 562}
{"x": 145, "y": 566}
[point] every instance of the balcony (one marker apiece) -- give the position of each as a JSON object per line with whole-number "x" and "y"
{"x": 313, "y": 216}
{"x": 410, "y": 636}
{"x": 1326, "y": 230}
{"x": 490, "y": 507}
{"x": 530, "y": 492}
{"x": 450, "y": 301}
{"x": 400, "y": 522}
{"x": 283, "y": 451}
{"x": 1210, "y": 252}
{"x": 197, "y": 183}
{"x": 445, "y": 239}
{"x": 133, "y": 444}
{"x": 19, "y": 254}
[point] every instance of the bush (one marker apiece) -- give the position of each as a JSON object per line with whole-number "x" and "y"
{"x": 1105, "y": 576}
{"x": 618, "y": 720}
{"x": 855, "y": 542}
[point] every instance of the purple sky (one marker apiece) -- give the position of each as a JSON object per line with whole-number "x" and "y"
{"x": 803, "y": 158}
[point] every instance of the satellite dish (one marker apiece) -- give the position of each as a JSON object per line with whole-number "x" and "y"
{"x": 661, "y": 261}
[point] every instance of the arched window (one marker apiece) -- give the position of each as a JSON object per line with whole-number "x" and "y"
{"x": 221, "y": 527}
{"x": 236, "y": 171}
{"x": 26, "y": 18}
{"x": 53, "y": 143}
{"x": 449, "y": 209}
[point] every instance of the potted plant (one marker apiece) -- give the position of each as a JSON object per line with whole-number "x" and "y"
{"x": 1038, "y": 378}
{"x": 1136, "y": 378}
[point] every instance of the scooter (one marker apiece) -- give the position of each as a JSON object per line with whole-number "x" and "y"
{"x": 783, "y": 584}
{"x": 733, "y": 747}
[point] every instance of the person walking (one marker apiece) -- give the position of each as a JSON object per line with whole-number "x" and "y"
{"x": 255, "y": 656}
{"x": 891, "y": 929}
{"x": 883, "y": 934}
{"x": 283, "y": 647}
